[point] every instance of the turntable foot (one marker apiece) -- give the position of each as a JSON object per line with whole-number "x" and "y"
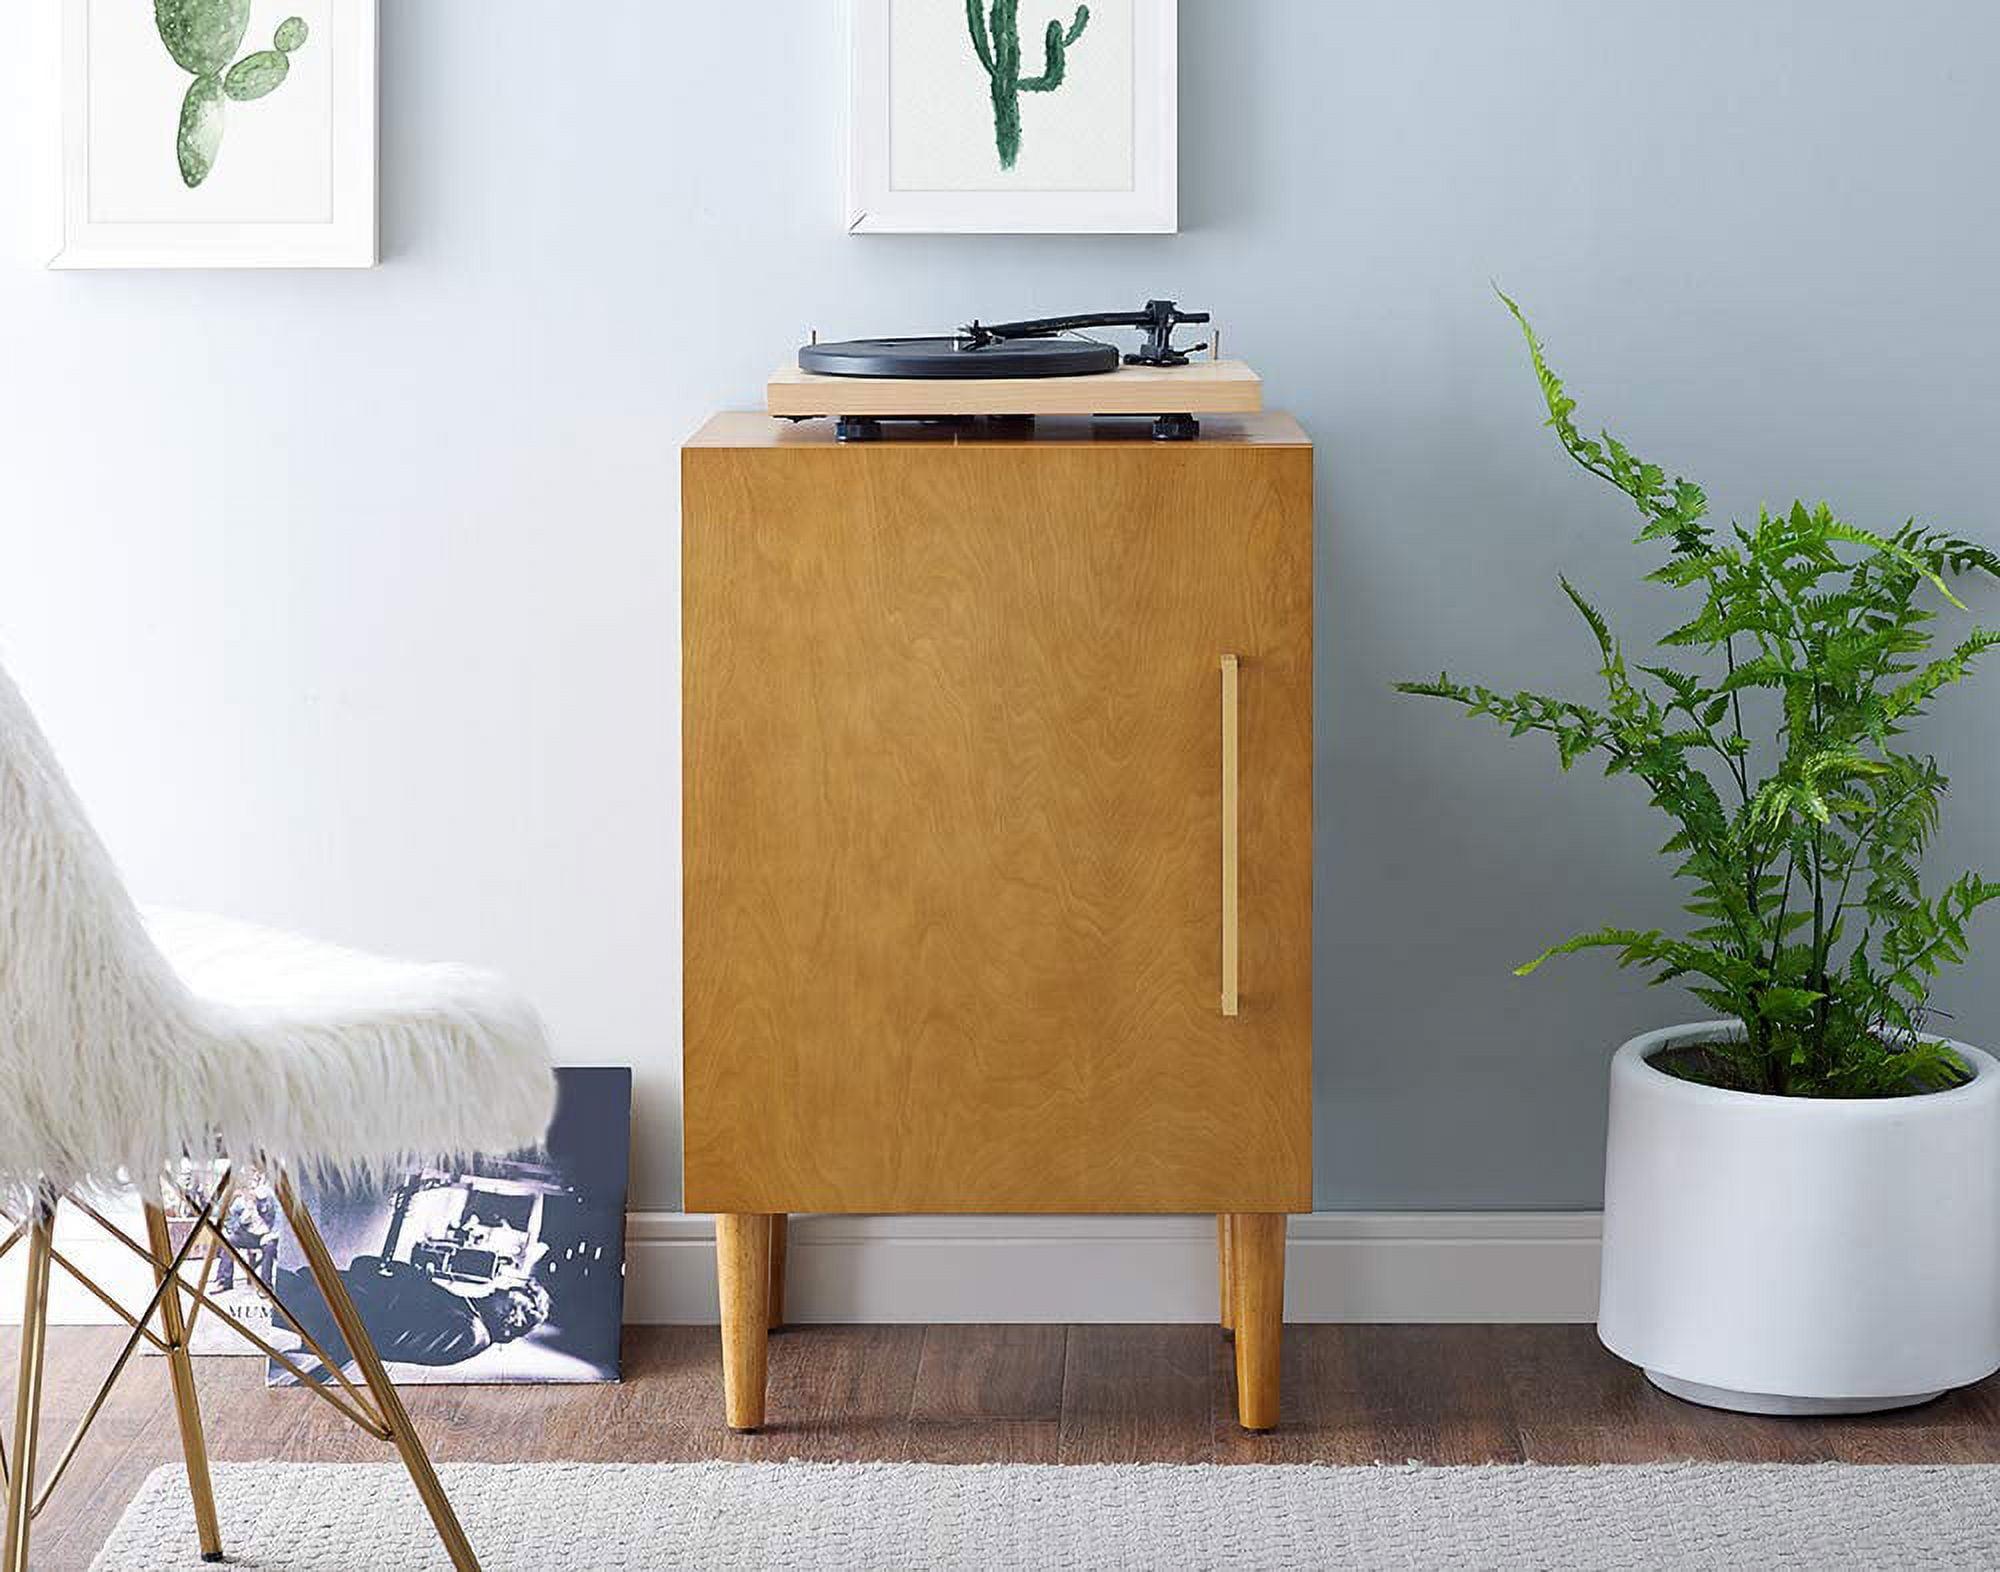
{"x": 857, "y": 428}
{"x": 1175, "y": 428}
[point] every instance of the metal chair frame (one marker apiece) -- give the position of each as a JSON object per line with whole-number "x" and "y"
{"x": 373, "y": 1405}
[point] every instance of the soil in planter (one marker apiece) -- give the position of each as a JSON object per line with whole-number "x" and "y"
{"x": 1702, "y": 1064}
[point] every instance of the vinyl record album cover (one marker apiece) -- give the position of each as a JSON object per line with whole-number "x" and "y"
{"x": 494, "y": 1269}
{"x": 235, "y": 1279}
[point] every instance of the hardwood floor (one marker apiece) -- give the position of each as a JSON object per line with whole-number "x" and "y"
{"x": 978, "y": 1394}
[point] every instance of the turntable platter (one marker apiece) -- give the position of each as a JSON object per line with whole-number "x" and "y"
{"x": 957, "y": 356}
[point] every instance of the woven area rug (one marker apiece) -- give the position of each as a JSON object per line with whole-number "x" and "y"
{"x": 597, "y": 1517}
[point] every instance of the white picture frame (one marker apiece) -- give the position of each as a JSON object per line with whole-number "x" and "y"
{"x": 1144, "y": 203}
{"x": 94, "y": 213}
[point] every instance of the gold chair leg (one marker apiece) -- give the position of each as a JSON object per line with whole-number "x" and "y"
{"x": 28, "y": 1393}
{"x": 187, "y": 1400}
{"x": 327, "y": 1275}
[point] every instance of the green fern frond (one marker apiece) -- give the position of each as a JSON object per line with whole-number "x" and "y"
{"x": 1807, "y": 652}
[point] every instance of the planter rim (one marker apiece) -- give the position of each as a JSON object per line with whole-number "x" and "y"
{"x": 1633, "y": 1060}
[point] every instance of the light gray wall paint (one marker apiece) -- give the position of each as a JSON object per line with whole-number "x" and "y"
{"x": 351, "y": 598}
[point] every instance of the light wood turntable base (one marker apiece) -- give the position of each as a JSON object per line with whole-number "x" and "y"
{"x": 1202, "y": 387}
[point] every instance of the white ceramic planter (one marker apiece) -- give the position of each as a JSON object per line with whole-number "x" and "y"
{"x": 1799, "y": 1255}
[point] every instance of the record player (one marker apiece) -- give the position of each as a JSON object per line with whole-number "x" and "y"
{"x": 1016, "y": 371}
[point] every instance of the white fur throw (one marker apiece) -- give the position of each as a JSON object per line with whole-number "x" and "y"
{"x": 126, "y": 1041}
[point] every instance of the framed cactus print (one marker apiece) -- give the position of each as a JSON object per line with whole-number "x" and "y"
{"x": 1012, "y": 116}
{"x": 208, "y": 133}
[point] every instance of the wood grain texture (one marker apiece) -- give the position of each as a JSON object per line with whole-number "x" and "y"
{"x": 1200, "y": 387}
{"x": 748, "y": 429}
{"x": 1257, "y": 1276}
{"x": 1573, "y": 1402}
{"x": 843, "y": 1396}
{"x": 743, "y": 1279}
{"x": 988, "y": 1394}
{"x": 1138, "y": 1394}
{"x": 952, "y": 753}
{"x": 990, "y": 1372}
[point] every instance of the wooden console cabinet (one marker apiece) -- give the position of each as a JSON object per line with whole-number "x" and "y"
{"x": 998, "y": 840}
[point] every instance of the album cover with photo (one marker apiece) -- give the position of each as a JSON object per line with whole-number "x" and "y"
{"x": 493, "y": 1269}
{"x": 234, "y": 1282}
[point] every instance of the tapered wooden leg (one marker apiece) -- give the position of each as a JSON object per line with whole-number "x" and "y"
{"x": 1225, "y": 1274}
{"x": 28, "y": 1392}
{"x": 780, "y": 1229}
{"x": 320, "y": 1262}
{"x": 187, "y": 1400}
{"x": 1257, "y": 1254}
{"x": 743, "y": 1279}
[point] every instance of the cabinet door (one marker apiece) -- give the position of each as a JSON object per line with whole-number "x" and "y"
{"x": 955, "y": 828}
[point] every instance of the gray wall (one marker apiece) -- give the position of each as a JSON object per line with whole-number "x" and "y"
{"x": 351, "y": 598}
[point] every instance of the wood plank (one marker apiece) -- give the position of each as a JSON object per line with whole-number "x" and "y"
{"x": 668, "y": 1407}
{"x": 837, "y": 1393}
{"x": 241, "y": 1420}
{"x": 1960, "y": 1427}
{"x": 985, "y": 1441}
{"x": 1436, "y": 1393}
{"x": 754, "y": 429}
{"x": 1139, "y": 1394}
{"x": 1576, "y": 1402}
{"x": 74, "y": 1363}
{"x": 491, "y": 1424}
{"x": 1199, "y": 387}
{"x": 1384, "y": 1394}
{"x": 990, "y": 1372}
{"x": 980, "y": 968}
{"x": 92, "y": 1498}
{"x": 988, "y": 1394}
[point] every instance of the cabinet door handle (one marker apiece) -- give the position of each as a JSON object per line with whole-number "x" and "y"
{"x": 1230, "y": 768}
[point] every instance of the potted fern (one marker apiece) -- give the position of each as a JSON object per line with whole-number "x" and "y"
{"x": 1802, "y": 1198}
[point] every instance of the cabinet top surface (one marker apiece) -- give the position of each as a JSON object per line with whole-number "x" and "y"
{"x": 751, "y": 429}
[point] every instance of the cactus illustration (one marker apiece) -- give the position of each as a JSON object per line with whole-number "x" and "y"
{"x": 203, "y": 36}
{"x": 998, "y": 45}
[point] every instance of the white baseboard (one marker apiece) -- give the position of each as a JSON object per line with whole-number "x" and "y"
{"x": 1340, "y": 1266}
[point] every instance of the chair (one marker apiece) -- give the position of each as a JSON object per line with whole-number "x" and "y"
{"x": 130, "y": 1042}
